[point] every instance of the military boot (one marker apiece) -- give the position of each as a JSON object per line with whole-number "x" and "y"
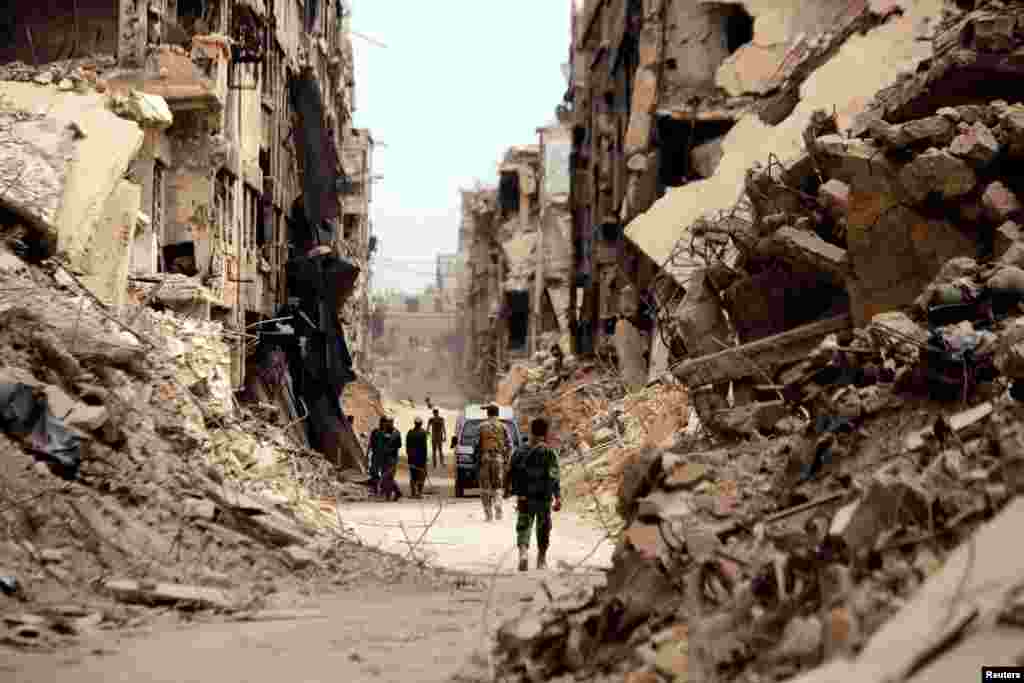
{"x": 542, "y": 559}
{"x": 523, "y": 558}
{"x": 497, "y": 509}
{"x": 487, "y": 512}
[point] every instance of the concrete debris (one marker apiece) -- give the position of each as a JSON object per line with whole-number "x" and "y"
{"x": 149, "y": 111}
{"x": 168, "y": 593}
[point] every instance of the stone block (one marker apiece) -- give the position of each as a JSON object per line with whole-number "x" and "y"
{"x": 895, "y": 253}
{"x": 932, "y": 130}
{"x": 200, "y": 508}
{"x": 1011, "y": 131}
{"x": 706, "y": 157}
{"x": 701, "y": 319}
{"x": 1006, "y": 236}
{"x": 834, "y": 196}
{"x": 168, "y": 593}
{"x": 861, "y": 164}
{"x": 1000, "y": 203}
{"x": 806, "y": 248}
{"x": 631, "y": 345}
{"x": 937, "y": 172}
{"x": 976, "y": 144}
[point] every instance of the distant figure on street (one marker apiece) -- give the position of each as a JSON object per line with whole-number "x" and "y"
{"x": 438, "y": 435}
{"x": 390, "y": 442}
{"x": 416, "y": 453}
{"x": 374, "y": 454}
{"x": 430, "y": 404}
{"x": 493, "y": 449}
{"x": 533, "y": 478}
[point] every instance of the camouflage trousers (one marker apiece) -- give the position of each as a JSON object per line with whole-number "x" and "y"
{"x": 491, "y": 470}
{"x": 528, "y": 511}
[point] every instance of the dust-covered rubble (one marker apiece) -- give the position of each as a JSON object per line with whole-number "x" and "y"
{"x": 178, "y": 494}
{"x": 850, "y": 498}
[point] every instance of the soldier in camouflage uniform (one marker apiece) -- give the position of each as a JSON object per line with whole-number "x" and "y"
{"x": 493, "y": 449}
{"x": 533, "y": 478}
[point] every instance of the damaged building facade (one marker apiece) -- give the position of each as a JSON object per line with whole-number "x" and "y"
{"x": 515, "y": 260}
{"x": 714, "y": 198}
{"x": 205, "y": 160}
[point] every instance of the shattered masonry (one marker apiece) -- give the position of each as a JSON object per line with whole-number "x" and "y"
{"x": 515, "y": 258}
{"x": 165, "y": 157}
{"x": 215, "y": 166}
{"x": 821, "y": 206}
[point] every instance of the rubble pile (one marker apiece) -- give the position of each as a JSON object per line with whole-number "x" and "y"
{"x": 598, "y": 424}
{"x": 857, "y": 359}
{"x": 128, "y": 476}
{"x": 756, "y": 560}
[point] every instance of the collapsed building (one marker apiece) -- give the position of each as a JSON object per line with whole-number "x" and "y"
{"x": 199, "y": 156}
{"x": 688, "y": 118}
{"x": 853, "y": 275}
{"x": 516, "y": 257}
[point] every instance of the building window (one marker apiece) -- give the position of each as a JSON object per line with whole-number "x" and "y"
{"x": 224, "y": 206}
{"x": 158, "y": 200}
{"x": 351, "y": 226}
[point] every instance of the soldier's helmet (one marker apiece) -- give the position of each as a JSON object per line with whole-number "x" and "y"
{"x": 492, "y": 410}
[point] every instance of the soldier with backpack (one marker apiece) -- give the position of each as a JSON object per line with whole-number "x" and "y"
{"x": 533, "y": 477}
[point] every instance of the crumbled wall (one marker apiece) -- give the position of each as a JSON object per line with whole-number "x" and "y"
{"x": 109, "y": 253}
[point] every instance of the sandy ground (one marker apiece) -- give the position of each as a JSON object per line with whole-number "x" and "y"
{"x": 394, "y": 633}
{"x": 452, "y": 532}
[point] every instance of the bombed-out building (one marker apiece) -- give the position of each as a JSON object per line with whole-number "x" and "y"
{"x": 516, "y": 256}
{"x": 197, "y": 155}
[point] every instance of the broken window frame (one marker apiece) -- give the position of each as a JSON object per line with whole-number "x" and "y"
{"x": 224, "y": 199}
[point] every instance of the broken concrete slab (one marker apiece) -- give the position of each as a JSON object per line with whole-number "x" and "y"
{"x": 806, "y": 248}
{"x": 834, "y": 196}
{"x": 663, "y": 505}
{"x": 58, "y": 180}
{"x": 750, "y": 360}
{"x": 168, "y": 593}
{"x": 936, "y": 172}
{"x": 200, "y": 508}
{"x": 631, "y": 345}
{"x": 701, "y": 320}
{"x": 957, "y": 422}
{"x": 987, "y": 568}
{"x": 895, "y": 253}
{"x": 299, "y": 557}
{"x": 976, "y": 144}
{"x": 705, "y": 157}
{"x": 1000, "y": 203}
{"x": 884, "y": 505}
{"x": 149, "y": 111}
{"x": 687, "y": 475}
{"x": 933, "y": 130}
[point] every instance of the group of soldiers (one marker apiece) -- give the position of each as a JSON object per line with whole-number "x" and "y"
{"x": 530, "y": 473}
{"x": 384, "y": 446}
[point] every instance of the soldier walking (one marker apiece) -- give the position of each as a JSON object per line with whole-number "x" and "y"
{"x": 389, "y": 443}
{"x": 438, "y": 435}
{"x": 416, "y": 453}
{"x": 533, "y": 477}
{"x": 493, "y": 449}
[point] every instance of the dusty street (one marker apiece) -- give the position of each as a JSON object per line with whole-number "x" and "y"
{"x": 377, "y": 633}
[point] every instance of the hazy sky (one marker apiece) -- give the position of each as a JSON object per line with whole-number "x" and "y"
{"x": 458, "y": 83}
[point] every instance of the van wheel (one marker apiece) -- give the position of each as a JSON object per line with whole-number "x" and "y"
{"x": 460, "y": 490}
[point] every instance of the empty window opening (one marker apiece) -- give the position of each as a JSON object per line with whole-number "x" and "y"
{"x": 676, "y": 141}
{"x": 192, "y": 17}
{"x": 518, "y": 307}
{"x": 737, "y": 26}
{"x": 181, "y": 258}
{"x": 158, "y": 199}
{"x": 508, "y": 193}
{"x": 350, "y": 226}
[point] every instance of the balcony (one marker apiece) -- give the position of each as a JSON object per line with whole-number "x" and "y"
{"x": 187, "y": 81}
